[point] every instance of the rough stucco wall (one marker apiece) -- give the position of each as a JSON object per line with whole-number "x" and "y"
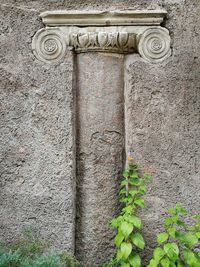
{"x": 162, "y": 121}
{"x": 37, "y": 159}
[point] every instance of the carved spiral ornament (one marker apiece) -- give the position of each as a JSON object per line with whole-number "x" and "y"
{"x": 49, "y": 45}
{"x": 154, "y": 44}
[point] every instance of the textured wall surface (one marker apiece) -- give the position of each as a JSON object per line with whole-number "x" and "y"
{"x": 37, "y": 160}
{"x": 162, "y": 116}
{"x": 162, "y": 113}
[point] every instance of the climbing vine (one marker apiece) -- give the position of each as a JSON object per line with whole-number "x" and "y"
{"x": 178, "y": 246}
{"x": 128, "y": 225}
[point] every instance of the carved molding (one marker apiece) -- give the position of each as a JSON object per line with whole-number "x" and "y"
{"x": 120, "y": 42}
{"x": 118, "y": 32}
{"x": 103, "y": 18}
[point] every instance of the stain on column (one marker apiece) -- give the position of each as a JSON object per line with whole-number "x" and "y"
{"x": 100, "y": 148}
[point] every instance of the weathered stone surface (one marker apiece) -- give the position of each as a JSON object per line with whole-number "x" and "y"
{"x": 37, "y": 139}
{"x": 162, "y": 121}
{"x": 100, "y": 147}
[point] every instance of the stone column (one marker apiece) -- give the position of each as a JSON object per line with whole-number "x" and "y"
{"x": 100, "y": 39}
{"x": 100, "y": 145}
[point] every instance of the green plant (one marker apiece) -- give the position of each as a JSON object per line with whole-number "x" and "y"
{"x": 111, "y": 263}
{"x": 33, "y": 251}
{"x": 128, "y": 226}
{"x": 177, "y": 246}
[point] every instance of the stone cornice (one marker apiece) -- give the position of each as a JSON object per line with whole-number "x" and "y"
{"x": 114, "y": 31}
{"x": 103, "y": 18}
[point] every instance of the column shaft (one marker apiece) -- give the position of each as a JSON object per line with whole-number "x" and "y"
{"x": 100, "y": 146}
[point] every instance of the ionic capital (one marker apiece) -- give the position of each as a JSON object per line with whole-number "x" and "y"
{"x": 114, "y": 32}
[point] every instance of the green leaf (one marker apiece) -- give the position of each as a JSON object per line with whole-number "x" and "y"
{"x": 119, "y": 255}
{"x": 140, "y": 202}
{"x": 135, "y": 260}
{"x": 126, "y": 173}
{"x": 189, "y": 239}
{"x": 170, "y": 220}
{"x": 124, "y": 182}
{"x": 128, "y": 209}
{"x": 138, "y": 240}
{"x": 143, "y": 189}
{"x": 197, "y": 225}
{"x": 128, "y": 199}
{"x": 125, "y": 265}
{"x": 135, "y": 181}
{"x": 126, "y": 249}
{"x": 180, "y": 264}
{"x": 158, "y": 254}
{"x": 118, "y": 239}
{"x": 152, "y": 263}
{"x": 172, "y": 264}
{"x": 123, "y": 191}
{"x": 134, "y": 175}
{"x": 133, "y": 167}
{"x": 133, "y": 192}
{"x": 116, "y": 221}
{"x": 165, "y": 262}
{"x": 180, "y": 223}
{"x": 162, "y": 237}
{"x": 126, "y": 229}
{"x": 197, "y": 234}
{"x": 172, "y": 251}
{"x": 129, "y": 218}
{"x": 197, "y": 216}
{"x": 137, "y": 222}
{"x": 190, "y": 258}
{"x": 180, "y": 209}
{"x": 172, "y": 211}
{"x": 172, "y": 231}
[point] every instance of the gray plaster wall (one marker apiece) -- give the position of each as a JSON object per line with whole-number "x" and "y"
{"x": 37, "y": 153}
{"x": 37, "y": 182}
{"x": 162, "y": 113}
